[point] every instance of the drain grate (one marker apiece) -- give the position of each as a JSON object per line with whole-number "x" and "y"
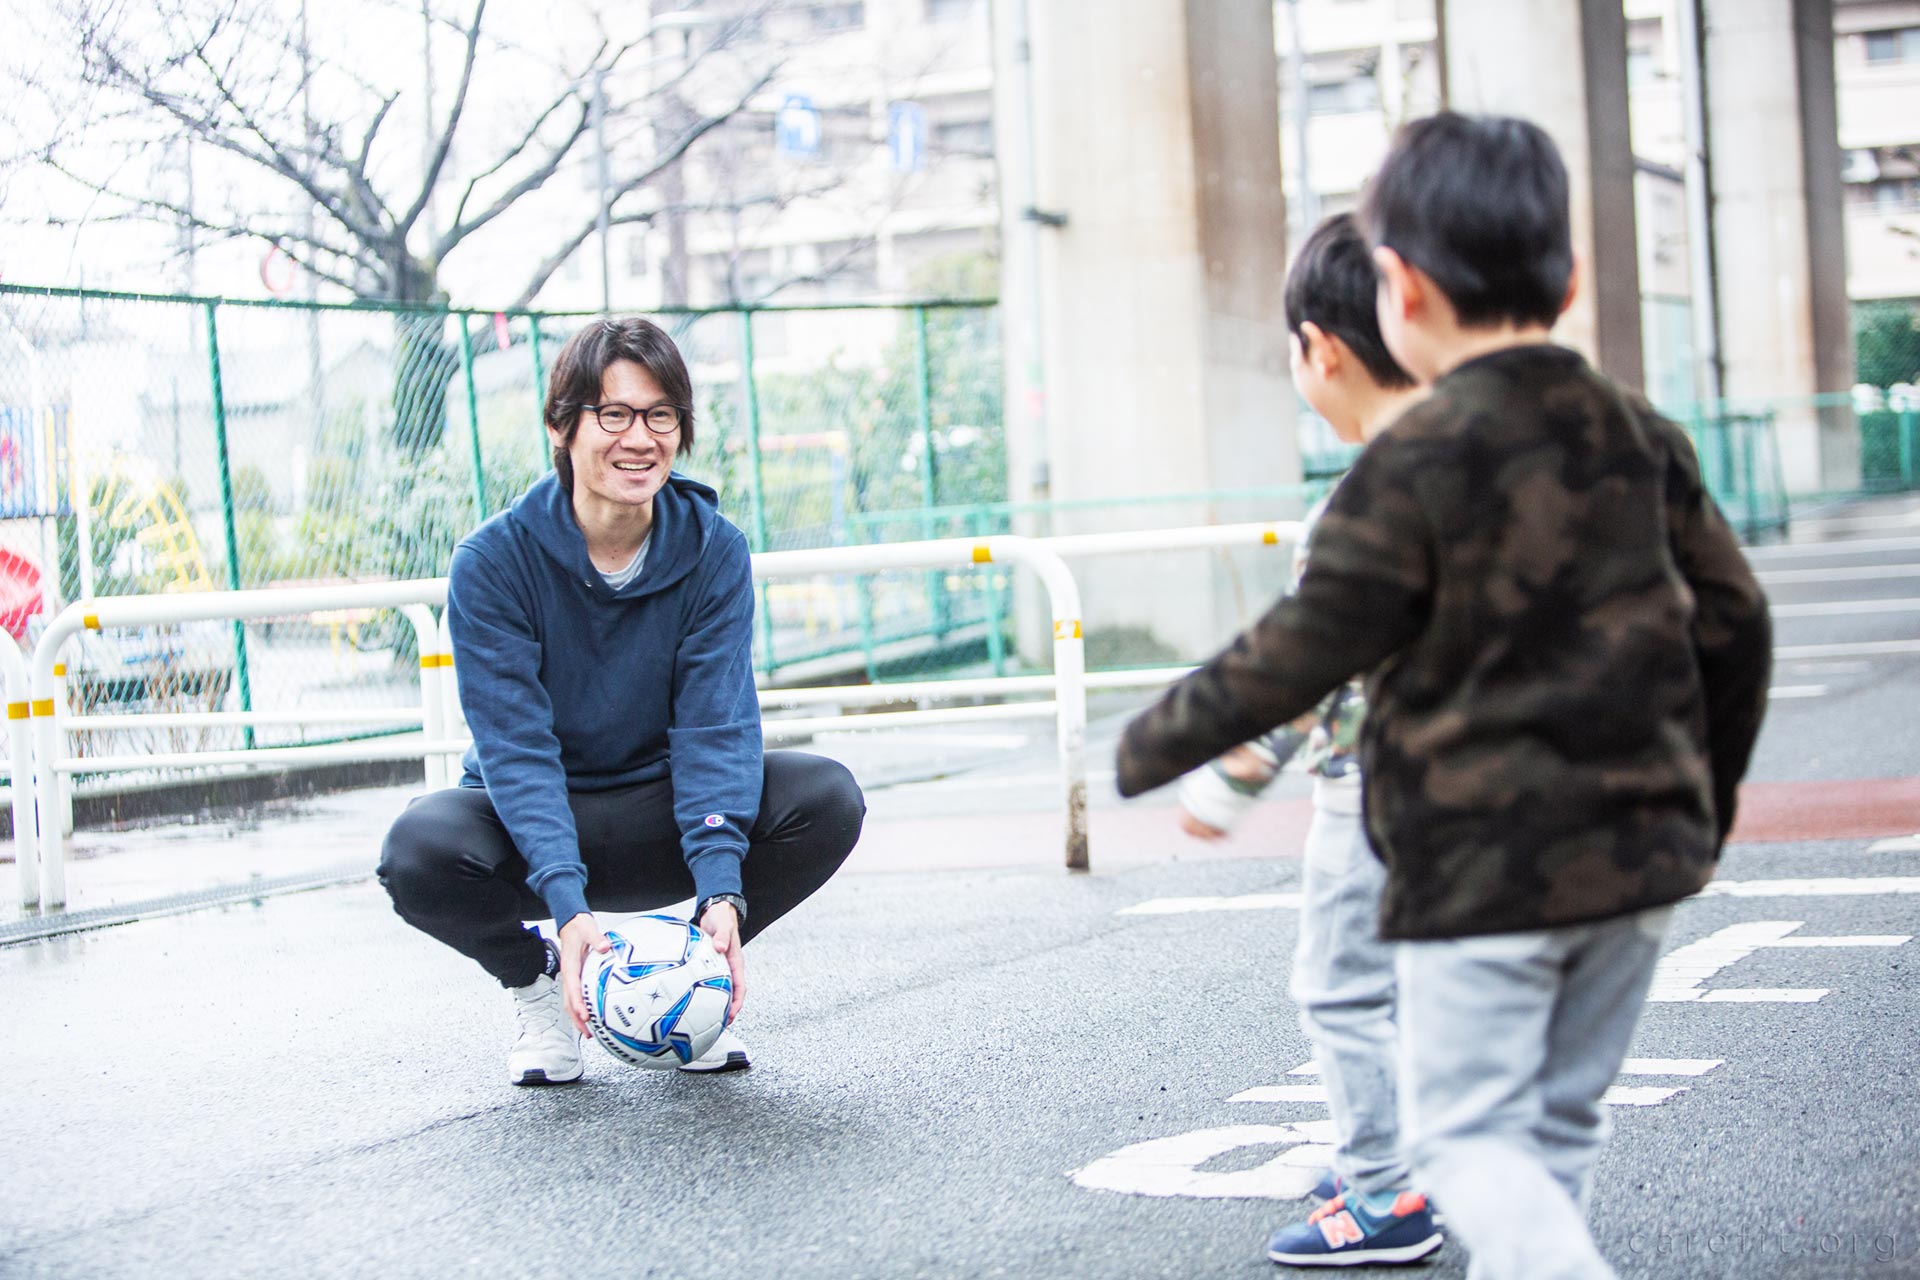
{"x": 53, "y": 924}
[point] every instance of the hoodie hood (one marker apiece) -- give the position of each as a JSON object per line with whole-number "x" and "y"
{"x": 685, "y": 515}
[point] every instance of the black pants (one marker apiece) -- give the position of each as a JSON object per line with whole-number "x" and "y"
{"x": 453, "y": 871}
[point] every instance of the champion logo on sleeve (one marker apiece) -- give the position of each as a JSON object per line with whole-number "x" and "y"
{"x": 714, "y": 820}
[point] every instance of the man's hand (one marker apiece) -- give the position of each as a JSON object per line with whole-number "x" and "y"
{"x": 577, "y": 937}
{"x": 721, "y": 923}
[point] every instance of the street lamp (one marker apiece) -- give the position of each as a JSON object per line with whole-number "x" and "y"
{"x": 684, "y": 21}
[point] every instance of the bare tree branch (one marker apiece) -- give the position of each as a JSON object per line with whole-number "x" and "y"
{"x": 445, "y": 143}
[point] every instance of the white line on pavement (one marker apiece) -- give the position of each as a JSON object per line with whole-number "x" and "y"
{"x": 1631, "y": 1067}
{"x": 1846, "y": 547}
{"x": 1829, "y": 887}
{"x": 1639, "y": 1095}
{"x": 1838, "y": 573}
{"x": 1861, "y": 648}
{"x": 1797, "y": 691}
{"x": 1896, "y": 844}
{"x": 1837, "y": 608}
{"x": 1180, "y": 906}
{"x": 1171, "y": 1166}
{"x": 1680, "y": 974}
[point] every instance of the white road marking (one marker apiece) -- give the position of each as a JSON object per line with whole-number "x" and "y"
{"x": 1639, "y": 1095}
{"x": 1830, "y": 887}
{"x": 1282, "y": 1093}
{"x": 1838, "y": 608}
{"x": 1669, "y": 1066}
{"x": 1827, "y": 887}
{"x": 1896, "y": 844}
{"x": 1631, "y": 1067}
{"x": 1797, "y": 691}
{"x": 1832, "y": 524}
{"x": 1856, "y": 649}
{"x": 1180, "y": 906}
{"x": 1680, "y": 975}
{"x": 1847, "y": 547}
{"x": 1171, "y": 1166}
{"x": 1838, "y": 573}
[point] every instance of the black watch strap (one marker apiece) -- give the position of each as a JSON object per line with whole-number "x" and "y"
{"x": 738, "y": 903}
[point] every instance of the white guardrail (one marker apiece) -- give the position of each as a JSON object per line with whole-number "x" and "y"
{"x": 34, "y": 696}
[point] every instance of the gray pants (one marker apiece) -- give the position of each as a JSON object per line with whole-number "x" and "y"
{"x": 1507, "y": 1043}
{"x": 1343, "y": 982}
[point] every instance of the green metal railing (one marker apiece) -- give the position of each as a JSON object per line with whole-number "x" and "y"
{"x": 154, "y": 442}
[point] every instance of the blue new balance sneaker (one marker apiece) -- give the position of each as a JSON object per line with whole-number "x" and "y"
{"x": 1341, "y": 1233}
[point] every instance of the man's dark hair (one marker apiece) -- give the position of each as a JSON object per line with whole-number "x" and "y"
{"x": 582, "y": 366}
{"x": 1332, "y": 285}
{"x": 1479, "y": 203}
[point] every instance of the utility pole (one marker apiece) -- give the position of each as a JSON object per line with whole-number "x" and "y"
{"x": 604, "y": 220}
{"x": 1309, "y": 202}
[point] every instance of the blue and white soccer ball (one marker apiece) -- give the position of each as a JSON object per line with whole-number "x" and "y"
{"x": 659, "y": 998}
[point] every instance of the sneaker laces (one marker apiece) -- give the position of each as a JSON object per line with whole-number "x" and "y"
{"x": 540, "y": 1013}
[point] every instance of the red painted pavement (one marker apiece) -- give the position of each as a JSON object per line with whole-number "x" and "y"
{"x": 1140, "y": 835}
{"x": 1857, "y": 809}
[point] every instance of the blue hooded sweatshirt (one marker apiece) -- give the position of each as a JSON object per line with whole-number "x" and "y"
{"x": 570, "y": 685}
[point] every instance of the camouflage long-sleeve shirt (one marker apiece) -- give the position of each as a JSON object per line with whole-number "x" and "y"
{"x": 1569, "y": 654}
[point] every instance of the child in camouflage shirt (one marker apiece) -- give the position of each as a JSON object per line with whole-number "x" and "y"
{"x": 1569, "y": 660}
{"x": 1342, "y": 971}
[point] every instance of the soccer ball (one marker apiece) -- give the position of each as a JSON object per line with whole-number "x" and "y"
{"x": 659, "y": 998}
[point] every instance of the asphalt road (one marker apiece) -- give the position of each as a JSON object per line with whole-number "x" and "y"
{"x": 953, "y": 1064}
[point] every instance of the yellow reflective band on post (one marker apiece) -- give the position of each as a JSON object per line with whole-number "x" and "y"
{"x": 982, "y": 553}
{"x": 446, "y": 660}
{"x": 19, "y": 710}
{"x": 90, "y": 621}
{"x": 1269, "y": 538}
{"x": 42, "y": 706}
{"x": 429, "y": 660}
{"x": 1066, "y": 628}
{"x": 59, "y": 668}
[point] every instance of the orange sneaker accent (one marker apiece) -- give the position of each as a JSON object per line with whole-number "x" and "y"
{"x": 1340, "y": 1230}
{"x": 1334, "y": 1205}
{"x": 1408, "y": 1202}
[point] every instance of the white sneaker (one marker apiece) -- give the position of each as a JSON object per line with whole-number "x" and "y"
{"x": 547, "y": 1049}
{"x": 728, "y": 1053}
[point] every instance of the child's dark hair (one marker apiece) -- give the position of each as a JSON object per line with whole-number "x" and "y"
{"x": 1479, "y": 203}
{"x": 1332, "y": 285}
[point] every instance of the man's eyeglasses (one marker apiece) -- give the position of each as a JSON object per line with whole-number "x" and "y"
{"x": 661, "y": 419}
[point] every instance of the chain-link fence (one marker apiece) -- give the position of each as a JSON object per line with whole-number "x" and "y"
{"x": 166, "y": 443}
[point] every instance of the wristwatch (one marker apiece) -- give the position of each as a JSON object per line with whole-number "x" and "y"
{"x": 734, "y": 900}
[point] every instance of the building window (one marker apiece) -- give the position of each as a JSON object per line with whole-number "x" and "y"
{"x": 1889, "y": 195}
{"x": 1339, "y": 97}
{"x": 1899, "y": 45}
{"x": 964, "y": 137}
{"x": 948, "y": 10}
{"x": 838, "y": 17}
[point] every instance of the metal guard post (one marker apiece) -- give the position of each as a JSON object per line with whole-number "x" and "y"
{"x": 1069, "y": 645}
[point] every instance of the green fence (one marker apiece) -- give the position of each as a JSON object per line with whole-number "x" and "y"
{"x": 156, "y": 443}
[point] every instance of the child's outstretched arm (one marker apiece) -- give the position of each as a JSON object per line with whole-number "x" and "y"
{"x": 1365, "y": 593}
{"x": 1732, "y": 632}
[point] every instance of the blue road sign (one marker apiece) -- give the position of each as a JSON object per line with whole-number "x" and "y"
{"x": 907, "y": 135}
{"x": 796, "y": 127}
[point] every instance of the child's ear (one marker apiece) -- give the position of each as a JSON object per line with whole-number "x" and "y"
{"x": 1403, "y": 283}
{"x": 1316, "y": 345}
{"x": 1573, "y": 283}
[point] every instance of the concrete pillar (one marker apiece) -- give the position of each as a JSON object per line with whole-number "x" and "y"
{"x": 1159, "y": 361}
{"x": 1779, "y": 242}
{"x": 1564, "y": 66}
